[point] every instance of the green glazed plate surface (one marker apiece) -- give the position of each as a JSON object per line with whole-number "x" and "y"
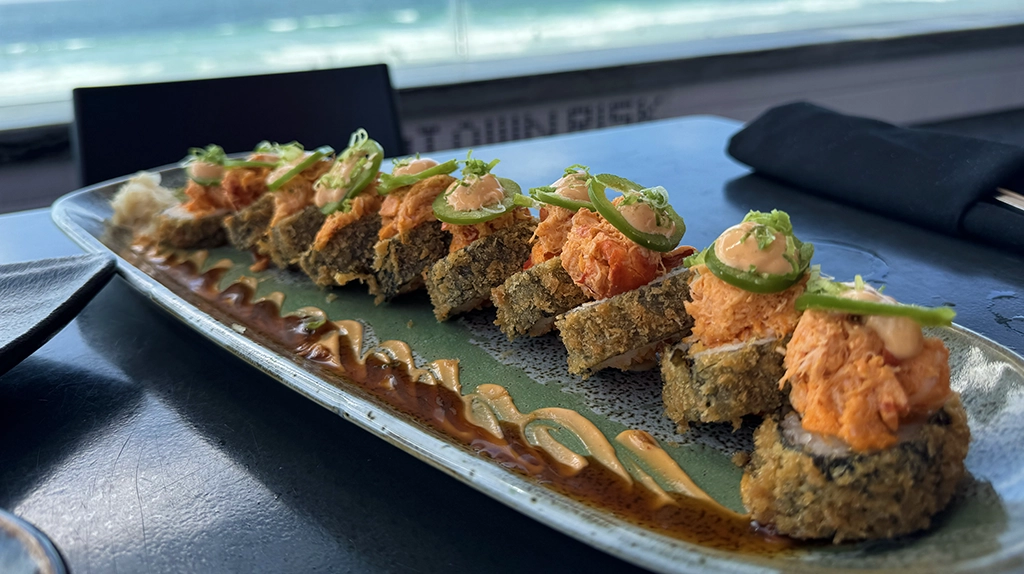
{"x": 982, "y": 530}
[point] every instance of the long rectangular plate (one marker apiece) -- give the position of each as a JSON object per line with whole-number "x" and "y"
{"x": 610, "y": 426}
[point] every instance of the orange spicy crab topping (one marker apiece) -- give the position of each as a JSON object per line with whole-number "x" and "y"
{"x": 845, "y": 384}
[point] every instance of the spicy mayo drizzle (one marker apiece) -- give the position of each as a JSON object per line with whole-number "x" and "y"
{"x": 737, "y": 247}
{"x": 487, "y": 421}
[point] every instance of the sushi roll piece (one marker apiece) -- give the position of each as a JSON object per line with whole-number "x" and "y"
{"x": 528, "y": 302}
{"x": 342, "y": 248}
{"x": 626, "y": 331}
{"x": 722, "y": 384}
{"x": 218, "y": 186}
{"x": 875, "y": 443}
{"x": 292, "y": 235}
{"x": 179, "y": 228}
{"x": 410, "y": 238}
{"x": 246, "y": 228}
{"x": 742, "y": 300}
{"x": 491, "y": 227}
{"x": 296, "y": 219}
{"x": 624, "y": 256}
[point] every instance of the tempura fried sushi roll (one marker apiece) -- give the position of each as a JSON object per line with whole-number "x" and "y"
{"x": 619, "y": 255}
{"x": 876, "y": 443}
{"x": 742, "y": 303}
{"x": 218, "y": 186}
{"x": 292, "y": 235}
{"x": 808, "y": 485}
{"x": 626, "y": 331}
{"x": 724, "y": 383}
{"x": 410, "y": 238}
{"x": 399, "y": 262}
{"x": 296, "y": 218}
{"x": 180, "y": 229}
{"x": 490, "y": 228}
{"x": 348, "y": 203}
{"x": 247, "y": 227}
{"x": 344, "y": 253}
{"x": 463, "y": 280}
{"x": 528, "y": 302}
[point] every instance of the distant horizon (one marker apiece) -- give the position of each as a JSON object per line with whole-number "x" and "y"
{"x": 48, "y": 47}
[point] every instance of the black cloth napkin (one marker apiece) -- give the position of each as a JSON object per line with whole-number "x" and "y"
{"x": 941, "y": 181}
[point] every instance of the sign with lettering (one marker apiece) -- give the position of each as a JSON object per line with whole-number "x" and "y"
{"x": 509, "y": 124}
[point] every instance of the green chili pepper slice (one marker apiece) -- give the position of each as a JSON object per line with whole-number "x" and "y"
{"x": 232, "y": 163}
{"x": 318, "y": 154}
{"x": 389, "y": 183}
{"x": 926, "y": 316}
{"x": 513, "y": 198}
{"x": 367, "y": 155}
{"x": 549, "y": 194}
{"x": 214, "y": 154}
{"x": 284, "y": 152}
{"x": 655, "y": 197}
{"x": 751, "y": 281}
{"x": 205, "y": 182}
{"x": 797, "y": 253}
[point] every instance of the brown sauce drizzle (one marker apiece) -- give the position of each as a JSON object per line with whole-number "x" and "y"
{"x": 433, "y": 397}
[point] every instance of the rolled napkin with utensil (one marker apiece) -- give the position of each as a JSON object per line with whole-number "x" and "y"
{"x": 954, "y": 184}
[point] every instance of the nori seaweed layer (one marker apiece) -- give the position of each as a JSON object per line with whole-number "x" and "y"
{"x": 399, "y": 261}
{"x": 880, "y": 494}
{"x": 463, "y": 280}
{"x": 347, "y": 256}
{"x": 720, "y": 386}
{"x": 599, "y": 331}
{"x": 529, "y": 300}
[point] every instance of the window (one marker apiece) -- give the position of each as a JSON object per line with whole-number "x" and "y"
{"x": 47, "y": 47}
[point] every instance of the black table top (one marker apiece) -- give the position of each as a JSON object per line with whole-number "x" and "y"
{"x": 139, "y": 445}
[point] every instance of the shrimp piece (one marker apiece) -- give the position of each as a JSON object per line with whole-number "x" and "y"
{"x": 243, "y": 186}
{"x": 203, "y": 199}
{"x": 297, "y": 193}
{"x": 406, "y": 208}
{"x": 603, "y": 261}
{"x": 239, "y": 188}
{"x": 550, "y": 235}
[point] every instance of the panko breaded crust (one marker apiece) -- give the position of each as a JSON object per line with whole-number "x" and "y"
{"x": 399, "y": 262}
{"x": 463, "y": 280}
{"x": 528, "y": 301}
{"x": 406, "y": 208}
{"x": 879, "y": 494}
{"x": 251, "y": 223}
{"x": 190, "y": 231}
{"x": 649, "y": 315}
{"x": 348, "y": 255}
{"x": 290, "y": 238}
{"x": 713, "y": 385}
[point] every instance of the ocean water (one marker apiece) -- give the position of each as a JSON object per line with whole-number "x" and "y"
{"x": 48, "y": 47}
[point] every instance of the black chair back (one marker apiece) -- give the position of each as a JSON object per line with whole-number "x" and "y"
{"x": 120, "y": 130}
